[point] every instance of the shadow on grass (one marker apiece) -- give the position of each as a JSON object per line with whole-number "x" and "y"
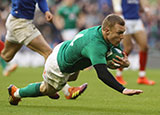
{"x": 62, "y": 107}
{"x": 85, "y": 109}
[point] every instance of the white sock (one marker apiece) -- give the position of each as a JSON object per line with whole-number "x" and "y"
{"x": 118, "y": 73}
{"x": 65, "y": 90}
{"x": 16, "y": 94}
{"x": 142, "y": 74}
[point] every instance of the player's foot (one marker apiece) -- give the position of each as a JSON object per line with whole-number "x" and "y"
{"x": 12, "y": 99}
{"x": 10, "y": 69}
{"x": 145, "y": 81}
{"x": 121, "y": 80}
{"x": 55, "y": 96}
{"x": 76, "y": 91}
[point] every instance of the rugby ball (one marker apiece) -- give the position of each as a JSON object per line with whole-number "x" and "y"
{"x": 112, "y": 55}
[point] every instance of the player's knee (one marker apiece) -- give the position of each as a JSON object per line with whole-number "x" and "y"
{"x": 43, "y": 89}
{"x": 47, "y": 53}
{"x": 46, "y": 89}
{"x": 145, "y": 48}
{"x": 5, "y": 57}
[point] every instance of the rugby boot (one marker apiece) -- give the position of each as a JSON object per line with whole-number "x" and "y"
{"x": 145, "y": 81}
{"x": 12, "y": 99}
{"x": 121, "y": 80}
{"x": 76, "y": 91}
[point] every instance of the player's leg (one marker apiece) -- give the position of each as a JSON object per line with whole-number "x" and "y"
{"x": 73, "y": 92}
{"x": 32, "y": 90}
{"x": 74, "y": 76}
{"x": 1, "y": 46}
{"x": 39, "y": 45}
{"x": 141, "y": 40}
{"x": 50, "y": 91}
{"x": 2, "y": 62}
{"x": 128, "y": 46}
{"x": 12, "y": 42}
{"x": 9, "y": 51}
{"x": 7, "y": 69}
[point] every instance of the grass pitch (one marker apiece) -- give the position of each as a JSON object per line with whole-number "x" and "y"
{"x": 98, "y": 99}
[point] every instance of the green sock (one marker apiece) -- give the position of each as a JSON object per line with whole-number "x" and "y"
{"x": 32, "y": 90}
{"x": 3, "y": 63}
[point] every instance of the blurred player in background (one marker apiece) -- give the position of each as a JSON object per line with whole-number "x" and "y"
{"x": 129, "y": 10}
{"x": 6, "y": 69}
{"x": 89, "y": 47}
{"x": 67, "y": 17}
{"x": 21, "y": 31}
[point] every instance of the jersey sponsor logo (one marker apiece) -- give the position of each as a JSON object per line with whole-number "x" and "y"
{"x": 75, "y": 38}
{"x": 72, "y": 16}
{"x": 133, "y": 1}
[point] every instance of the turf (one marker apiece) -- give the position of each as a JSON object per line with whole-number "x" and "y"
{"x": 98, "y": 99}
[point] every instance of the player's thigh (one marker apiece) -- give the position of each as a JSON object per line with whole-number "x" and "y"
{"x": 127, "y": 43}
{"x": 39, "y": 45}
{"x": 10, "y": 50}
{"x": 141, "y": 39}
{"x": 52, "y": 73}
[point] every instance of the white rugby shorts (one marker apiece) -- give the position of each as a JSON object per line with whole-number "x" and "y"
{"x": 133, "y": 26}
{"x": 52, "y": 74}
{"x": 20, "y": 30}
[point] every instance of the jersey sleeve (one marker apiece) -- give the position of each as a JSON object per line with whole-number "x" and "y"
{"x": 43, "y": 5}
{"x": 96, "y": 53}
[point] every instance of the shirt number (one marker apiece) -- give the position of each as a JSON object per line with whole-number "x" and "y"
{"x": 76, "y": 37}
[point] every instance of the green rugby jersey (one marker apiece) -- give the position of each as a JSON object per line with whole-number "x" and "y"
{"x": 86, "y": 49}
{"x": 69, "y": 15}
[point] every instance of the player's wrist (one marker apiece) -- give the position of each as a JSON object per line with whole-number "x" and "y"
{"x": 124, "y": 91}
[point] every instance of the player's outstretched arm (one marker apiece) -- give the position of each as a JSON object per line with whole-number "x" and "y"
{"x": 105, "y": 76}
{"x": 131, "y": 92}
{"x": 108, "y": 79}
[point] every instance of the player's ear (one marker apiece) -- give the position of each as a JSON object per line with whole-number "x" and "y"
{"x": 107, "y": 30}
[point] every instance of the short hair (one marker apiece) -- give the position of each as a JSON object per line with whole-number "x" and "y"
{"x": 111, "y": 20}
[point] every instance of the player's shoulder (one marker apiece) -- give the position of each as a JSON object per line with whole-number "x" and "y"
{"x": 92, "y": 30}
{"x": 61, "y": 7}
